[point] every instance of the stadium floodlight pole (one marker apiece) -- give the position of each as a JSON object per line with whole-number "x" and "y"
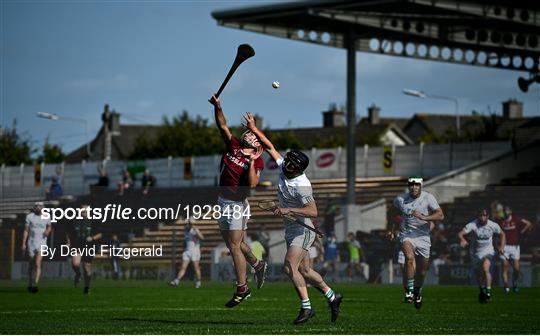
{"x": 422, "y": 94}
{"x": 52, "y": 116}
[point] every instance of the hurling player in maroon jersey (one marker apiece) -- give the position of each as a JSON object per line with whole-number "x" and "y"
{"x": 240, "y": 168}
{"x": 513, "y": 227}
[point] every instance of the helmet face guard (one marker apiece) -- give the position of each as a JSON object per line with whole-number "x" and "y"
{"x": 249, "y": 140}
{"x": 296, "y": 161}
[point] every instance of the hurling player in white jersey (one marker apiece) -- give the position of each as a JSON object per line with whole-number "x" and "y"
{"x": 480, "y": 232}
{"x": 418, "y": 209}
{"x": 296, "y": 198}
{"x": 36, "y": 231}
{"x": 192, "y": 253}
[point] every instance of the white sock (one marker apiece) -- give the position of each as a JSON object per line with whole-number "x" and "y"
{"x": 330, "y": 296}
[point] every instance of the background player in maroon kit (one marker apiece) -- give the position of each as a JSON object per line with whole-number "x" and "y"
{"x": 513, "y": 227}
{"x": 240, "y": 167}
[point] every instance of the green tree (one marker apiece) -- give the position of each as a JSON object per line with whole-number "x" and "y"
{"x": 51, "y": 153}
{"x": 14, "y": 149}
{"x": 284, "y": 140}
{"x": 337, "y": 140}
{"x": 180, "y": 136}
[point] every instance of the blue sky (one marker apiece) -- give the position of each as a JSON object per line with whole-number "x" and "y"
{"x": 147, "y": 59}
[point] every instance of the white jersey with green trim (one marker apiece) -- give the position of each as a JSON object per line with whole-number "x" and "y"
{"x": 482, "y": 236}
{"x": 425, "y": 203}
{"x": 294, "y": 193}
{"x": 36, "y": 229}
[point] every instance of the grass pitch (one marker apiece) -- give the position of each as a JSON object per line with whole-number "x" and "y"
{"x": 154, "y": 308}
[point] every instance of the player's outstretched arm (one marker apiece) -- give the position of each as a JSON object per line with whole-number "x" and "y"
{"x": 309, "y": 211}
{"x": 267, "y": 144}
{"x": 220, "y": 119}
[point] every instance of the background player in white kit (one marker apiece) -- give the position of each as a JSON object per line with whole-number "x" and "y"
{"x": 418, "y": 208}
{"x": 296, "y": 198}
{"x": 481, "y": 232}
{"x": 192, "y": 253}
{"x": 36, "y": 231}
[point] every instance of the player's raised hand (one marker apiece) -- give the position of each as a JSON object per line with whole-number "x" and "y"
{"x": 257, "y": 154}
{"x": 250, "y": 121}
{"x": 215, "y": 101}
{"x": 463, "y": 243}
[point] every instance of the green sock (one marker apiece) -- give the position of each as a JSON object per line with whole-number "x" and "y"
{"x": 488, "y": 290}
{"x": 410, "y": 285}
{"x": 417, "y": 291}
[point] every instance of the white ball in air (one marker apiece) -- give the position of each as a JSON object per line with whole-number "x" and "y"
{"x": 275, "y": 84}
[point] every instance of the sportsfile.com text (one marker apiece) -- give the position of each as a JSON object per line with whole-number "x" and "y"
{"x": 120, "y": 212}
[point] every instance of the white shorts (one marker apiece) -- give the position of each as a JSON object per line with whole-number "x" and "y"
{"x": 478, "y": 257}
{"x": 313, "y": 253}
{"x": 34, "y": 248}
{"x": 401, "y": 258}
{"x": 302, "y": 237}
{"x": 232, "y": 214}
{"x": 421, "y": 244}
{"x": 511, "y": 252}
{"x": 191, "y": 255}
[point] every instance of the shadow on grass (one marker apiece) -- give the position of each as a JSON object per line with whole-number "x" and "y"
{"x": 131, "y": 319}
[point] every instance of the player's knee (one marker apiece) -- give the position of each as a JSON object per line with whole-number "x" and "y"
{"x": 304, "y": 271}
{"x": 287, "y": 270}
{"x": 235, "y": 247}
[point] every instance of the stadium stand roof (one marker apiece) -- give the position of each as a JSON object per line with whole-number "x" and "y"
{"x": 498, "y": 34}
